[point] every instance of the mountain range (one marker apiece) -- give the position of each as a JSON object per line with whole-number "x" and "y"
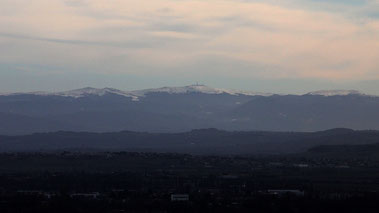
{"x": 202, "y": 141}
{"x": 180, "y": 109}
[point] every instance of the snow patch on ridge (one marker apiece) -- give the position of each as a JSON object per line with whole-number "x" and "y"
{"x": 41, "y": 93}
{"x": 335, "y": 92}
{"x": 137, "y": 94}
{"x": 78, "y": 93}
{"x": 195, "y": 89}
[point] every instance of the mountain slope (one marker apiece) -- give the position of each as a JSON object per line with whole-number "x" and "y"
{"x": 176, "y": 109}
{"x": 308, "y": 112}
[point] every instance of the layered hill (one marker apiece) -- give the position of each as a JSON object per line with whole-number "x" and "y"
{"x": 205, "y": 141}
{"x": 179, "y": 109}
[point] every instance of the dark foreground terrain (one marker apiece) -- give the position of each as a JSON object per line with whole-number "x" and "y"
{"x": 323, "y": 179}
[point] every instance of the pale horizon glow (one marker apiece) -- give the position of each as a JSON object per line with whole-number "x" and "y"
{"x": 289, "y": 46}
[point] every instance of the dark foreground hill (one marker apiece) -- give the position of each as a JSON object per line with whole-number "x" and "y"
{"x": 205, "y": 141}
{"x": 370, "y": 151}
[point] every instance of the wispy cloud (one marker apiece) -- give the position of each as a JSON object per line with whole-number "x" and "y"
{"x": 335, "y": 40}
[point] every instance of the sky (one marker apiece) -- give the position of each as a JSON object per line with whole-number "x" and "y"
{"x": 283, "y": 46}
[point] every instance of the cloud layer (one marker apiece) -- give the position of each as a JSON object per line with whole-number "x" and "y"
{"x": 334, "y": 40}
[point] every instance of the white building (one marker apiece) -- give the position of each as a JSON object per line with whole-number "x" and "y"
{"x": 179, "y": 197}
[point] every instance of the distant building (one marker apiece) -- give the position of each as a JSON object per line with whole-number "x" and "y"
{"x": 301, "y": 165}
{"x": 229, "y": 176}
{"x": 179, "y": 197}
{"x": 36, "y": 193}
{"x": 30, "y": 192}
{"x": 286, "y": 192}
{"x": 93, "y": 195}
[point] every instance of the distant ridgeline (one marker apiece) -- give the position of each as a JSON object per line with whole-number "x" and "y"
{"x": 205, "y": 141}
{"x": 180, "y": 109}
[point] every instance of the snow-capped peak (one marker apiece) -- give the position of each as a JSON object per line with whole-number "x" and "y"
{"x": 195, "y": 89}
{"x": 180, "y": 90}
{"x": 94, "y": 91}
{"x": 41, "y": 93}
{"x": 138, "y": 94}
{"x": 335, "y": 92}
{"x": 78, "y": 93}
{"x": 87, "y": 91}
